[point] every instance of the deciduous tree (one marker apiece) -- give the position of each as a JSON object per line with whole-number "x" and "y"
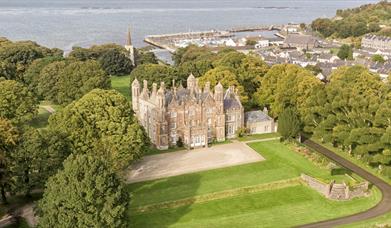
{"x": 87, "y": 193}
{"x": 102, "y": 120}
{"x": 9, "y": 137}
{"x": 17, "y": 103}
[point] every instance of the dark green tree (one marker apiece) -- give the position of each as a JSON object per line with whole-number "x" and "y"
{"x": 37, "y": 156}
{"x": 7, "y": 70}
{"x": 289, "y": 124}
{"x": 9, "y": 137}
{"x": 115, "y": 63}
{"x": 345, "y": 52}
{"x": 156, "y": 73}
{"x": 145, "y": 57}
{"x": 378, "y": 58}
{"x": 87, "y": 193}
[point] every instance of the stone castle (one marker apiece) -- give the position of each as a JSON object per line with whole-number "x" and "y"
{"x": 193, "y": 115}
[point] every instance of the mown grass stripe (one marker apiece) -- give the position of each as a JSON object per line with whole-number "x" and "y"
{"x": 217, "y": 195}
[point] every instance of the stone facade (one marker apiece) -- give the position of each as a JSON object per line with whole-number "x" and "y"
{"x": 336, "y": 191}
{"x": 193, "y": 115}
{"x": 259, "y": 122}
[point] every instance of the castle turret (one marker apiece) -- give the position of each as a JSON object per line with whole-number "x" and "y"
{"x": 207, "y": 87}
{"x": 154, "y": 92}
{"x": 130, "y": 48}
{"x": 161, "y": 96}
{"x": 191, "y": 82}
{"x": 135, "y": 95}
{"x": 219, "y": 93}
{"x": 220, "y": 116}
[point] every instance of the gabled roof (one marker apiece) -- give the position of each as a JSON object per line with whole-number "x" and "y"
{"x": 256, "y": 116}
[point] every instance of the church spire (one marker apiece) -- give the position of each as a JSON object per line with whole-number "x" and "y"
{"x": 129, "y": 38}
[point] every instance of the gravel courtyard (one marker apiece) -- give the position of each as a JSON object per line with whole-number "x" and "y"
{"x": 182, "y": 162}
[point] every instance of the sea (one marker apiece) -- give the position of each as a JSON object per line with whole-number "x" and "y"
{"x": 67, "y": 23}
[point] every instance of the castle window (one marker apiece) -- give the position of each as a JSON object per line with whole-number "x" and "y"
{"x": 230, "y": 130}
{"x": 173, "y": 125}
{"x": 230, "y": 118}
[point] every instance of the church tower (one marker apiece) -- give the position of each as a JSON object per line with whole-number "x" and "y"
{"x": 130, "y": 48}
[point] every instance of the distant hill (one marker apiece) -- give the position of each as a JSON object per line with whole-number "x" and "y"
{"x": 356, "y": 22}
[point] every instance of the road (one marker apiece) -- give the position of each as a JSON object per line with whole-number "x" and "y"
{"x": 384, "y": 206}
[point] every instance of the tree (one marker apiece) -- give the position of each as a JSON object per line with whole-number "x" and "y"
{"x": 191, "y": 53}
{"x": 230, "y": 59}
{"x": 197, "y": 67}
{"x": 251, "y": 42}
{"x": 324, "y": 26}
{"x": 65, "y": 81}
{"x": 347, "y": 111}
{"x": 95, "y": 51}
{"x": 345, "y": 52}
{"x": 155, "y": 73}
{"x": 87, "y": 193}
{"x": 16, "y": 102}
{"x": 37, "y": 156}
{"x": 115, "y": 63}
{"x": 289, "y": 124}
{"x": 49, "y": 76}
{"x": 7, "y": 70}
{"x": 250, "y": 74}
{"x": 373, "y": 27}
{"x": 145, "y": 57}
{"x": 31, "y": 76}
{"x": 226, "y": 77}
{"x": 9, "y": 136}
{"x": 378, "y": 58}
{"x": 286, "y": 85}
{"x": 102, "y": 121}
{"x": 22, "y": 54}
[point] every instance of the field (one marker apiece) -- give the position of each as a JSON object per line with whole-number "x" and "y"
{"x": 121, "y": 84}
{"x": 268, "y": 193}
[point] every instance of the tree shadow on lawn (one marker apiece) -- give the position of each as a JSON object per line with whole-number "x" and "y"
{"x": 162, "y": 190}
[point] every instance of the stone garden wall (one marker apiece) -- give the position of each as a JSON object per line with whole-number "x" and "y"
{"x": 336, "y": 191}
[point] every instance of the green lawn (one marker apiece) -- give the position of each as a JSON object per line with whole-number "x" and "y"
{"x": 285, "y": 207}
{"x": 280, "y": 208}
{"x": 41, "y": 120}
{"x": 121, "y": 84}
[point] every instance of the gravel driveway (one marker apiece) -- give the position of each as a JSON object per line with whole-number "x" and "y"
{"x": 182, "y": 162}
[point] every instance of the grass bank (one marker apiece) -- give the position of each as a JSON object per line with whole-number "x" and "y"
{"x": 282, "y": 207}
